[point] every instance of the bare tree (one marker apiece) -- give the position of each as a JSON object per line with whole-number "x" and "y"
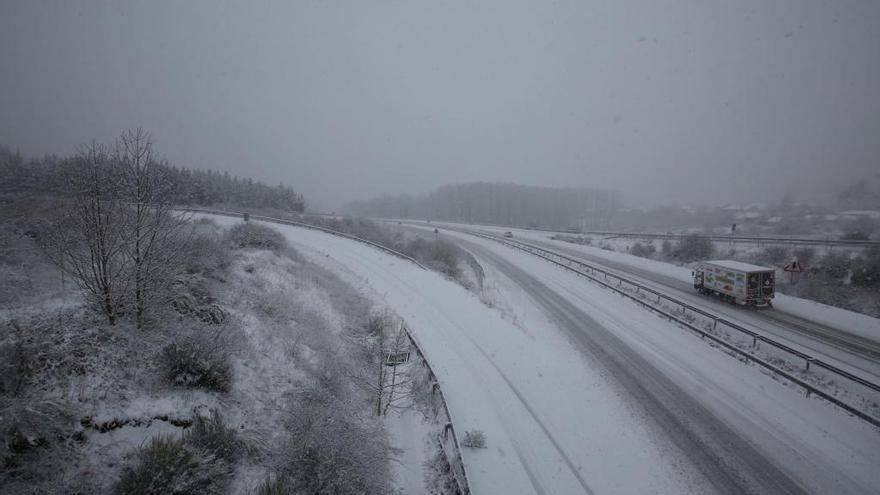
{"x": 87, "y": 241}
{"x": 154, "y": 232}
{"x": 397, "y": 354}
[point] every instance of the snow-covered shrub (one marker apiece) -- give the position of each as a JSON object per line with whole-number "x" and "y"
{"x": 774, "y": 255}
{"x": 643, "y": 250}
{"x": 206, "y": 254}
{"x": 866, "y": 269}
{"x": 474, "y": 439}
{"x": 376, "y": 324}
{"x": 16, "y": 366}
{"x": 212, "y": 435}
{"x": 836, "y": 265}
{"x": 189, "y": 296}
{"x": 168, "y": 465}
{"x": 252, "y": 235}
{"x": 335, "y": 445}
{"x": 805, "y": 255}
{"x": 197, "y": 363}
{"x": 275, "y": 485}
{"x": 33, "y": 431}
{"x": 693, "y": 247}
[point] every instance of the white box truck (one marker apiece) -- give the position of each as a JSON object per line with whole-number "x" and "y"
{"x": 736, "y": 282}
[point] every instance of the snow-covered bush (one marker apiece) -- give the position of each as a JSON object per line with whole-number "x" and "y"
{"x": 836, "y": 265}
{"x": 275, "y": 485}
{"x": 15, "y": 367}
{"x": 474, "y": 439}
{"x": 774, "y": 255}
{"x": 197, "y": 363}
{"x": 805, "y": 255}
{"x": 252, "y": 235}
{"x": 211, "y": 434}
{"x": 335, "y": 446}
{"x": 693, "y": 247}
{"x": 866, "y": 269}
{"x": 643, "y": 250}
{"x": 168, "y": 465}
{"x": 33, "y": 433}
{"x": 207, "y": 254}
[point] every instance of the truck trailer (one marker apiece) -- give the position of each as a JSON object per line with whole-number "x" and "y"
{"x": 736, "y": 282}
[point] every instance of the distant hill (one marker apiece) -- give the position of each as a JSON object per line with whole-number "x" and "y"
{"x": 501, "y": 203}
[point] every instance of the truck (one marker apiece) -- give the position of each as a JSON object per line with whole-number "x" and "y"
{"x": 736, "y": 282}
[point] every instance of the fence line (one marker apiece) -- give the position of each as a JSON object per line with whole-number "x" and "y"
{"x": 306, "y": 226}
{"x": 454, "y": 458}
{"x": 567, "y": 262}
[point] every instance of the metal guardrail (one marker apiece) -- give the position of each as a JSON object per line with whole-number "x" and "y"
{"x": 813, "y": 241}
{"x": 306, "y": 226}
{"x": 760, "y": 240}
{"x": 567, "y": 262}
{"x": 454, "y": 458}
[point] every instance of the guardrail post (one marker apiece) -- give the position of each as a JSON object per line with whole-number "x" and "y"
{"x": 754, "y": 341}
{"x": 809, "y": 360}
{"x": 714, "y": 323}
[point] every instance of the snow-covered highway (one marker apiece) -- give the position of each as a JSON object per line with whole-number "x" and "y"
{"x": 579, "y": 391}
{"x": 846, "y": 339}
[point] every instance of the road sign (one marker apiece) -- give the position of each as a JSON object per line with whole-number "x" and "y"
{"x": 794, "y": 267}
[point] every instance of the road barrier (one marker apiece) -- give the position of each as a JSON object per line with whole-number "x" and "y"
{"x": 759, "y": 240}
{"x": 245, "y": 215}
{"x": 448, "y": 439}
{"x": 642, "y": 293}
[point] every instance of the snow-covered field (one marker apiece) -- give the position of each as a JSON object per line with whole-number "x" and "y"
{"x": 555, "y": 422}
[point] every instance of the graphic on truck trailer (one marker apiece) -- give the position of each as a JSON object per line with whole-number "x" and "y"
{"x": 736, "y": 282}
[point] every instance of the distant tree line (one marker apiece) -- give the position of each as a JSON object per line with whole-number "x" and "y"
{"x": 501, "y": 203}
{"x": 188, "y": 186}
{"x": 861, "y": 195}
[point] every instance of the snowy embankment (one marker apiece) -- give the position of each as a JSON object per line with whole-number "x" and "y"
{"x": 821, "y": 447}
{"x": 553, "y": 423}
{"x": 838, "y": 318}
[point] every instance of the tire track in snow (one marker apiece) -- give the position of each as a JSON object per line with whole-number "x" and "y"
{"x": 727, "y": 460}
{"x": 346, "y": 259}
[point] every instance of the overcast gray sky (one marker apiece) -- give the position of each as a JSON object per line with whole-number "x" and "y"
{"x": 667, "y": 101}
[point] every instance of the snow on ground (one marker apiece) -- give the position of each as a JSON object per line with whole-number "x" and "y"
{"x": 411, "y": 435}
{"x": 841, "y": 319}
{"x": 824, "y": 447}
{"x": 553, "y": 424}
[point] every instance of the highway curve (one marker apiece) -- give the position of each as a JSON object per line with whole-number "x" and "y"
{"x": 731, "y": 463}
{"x": 862, "y": 354}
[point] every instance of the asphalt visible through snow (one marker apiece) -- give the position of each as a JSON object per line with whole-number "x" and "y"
{"x": 727, "y": 460}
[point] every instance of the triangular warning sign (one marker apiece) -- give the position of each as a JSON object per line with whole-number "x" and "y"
{"x": 794, "y": 266}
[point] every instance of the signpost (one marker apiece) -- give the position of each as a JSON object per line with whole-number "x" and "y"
{"x": 793, "y": 268}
